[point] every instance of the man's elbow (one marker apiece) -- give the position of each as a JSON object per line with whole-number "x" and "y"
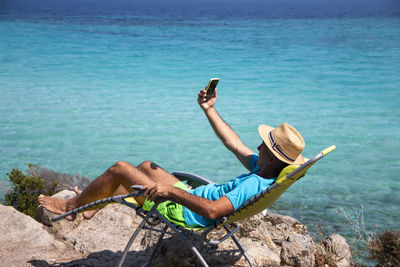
{"x": 218, "y": 208}
{"x": 213, "y": 213}
{"x": 212, "y": 216}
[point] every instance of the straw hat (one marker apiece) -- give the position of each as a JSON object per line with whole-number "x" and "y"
{"x": 284, "y": 141}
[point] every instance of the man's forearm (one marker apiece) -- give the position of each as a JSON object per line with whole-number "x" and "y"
{"x": 202, "y": 206}
{"x": 224, "y": 132}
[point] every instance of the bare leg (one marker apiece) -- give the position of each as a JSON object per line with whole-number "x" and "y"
{"x": 122, "y": 173}
{"x": 158, "y": 174}
{"x": 86, "y": 214}
{"x": 151, "y": 169}
{"x": 90, "y": 213}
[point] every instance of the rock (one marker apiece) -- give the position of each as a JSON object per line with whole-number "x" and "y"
{"x": 281, "y": 227}
{"x": 298, "y": 250}
{"x": 261, "y": 253}
{"x": 110, "y": 229}
{"x": 253, "y": 231}
{"x": 271, "y": 240}
{"x": 337, "y": 248}
{"x": 23, "y": 239}
{"x": 17, "y": 226}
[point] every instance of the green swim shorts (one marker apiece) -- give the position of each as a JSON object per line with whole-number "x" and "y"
{"x": 172, "y": 211}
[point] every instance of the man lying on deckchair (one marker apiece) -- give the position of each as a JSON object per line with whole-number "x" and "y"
{"x": 201, "y": 206}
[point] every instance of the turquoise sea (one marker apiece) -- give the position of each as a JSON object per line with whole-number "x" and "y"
{"x": 84, "y": 84}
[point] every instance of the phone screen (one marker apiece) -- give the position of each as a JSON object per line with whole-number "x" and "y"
{"x": 211, "y": 88}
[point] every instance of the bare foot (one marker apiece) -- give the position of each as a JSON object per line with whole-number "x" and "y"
{"x": 56, "y": 205}
{"x": 86, "y": 214}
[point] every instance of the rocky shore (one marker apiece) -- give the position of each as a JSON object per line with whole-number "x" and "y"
{"x": 270, "y": 240}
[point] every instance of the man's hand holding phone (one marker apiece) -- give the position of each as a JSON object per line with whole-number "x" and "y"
{"x": 208, "y": 96}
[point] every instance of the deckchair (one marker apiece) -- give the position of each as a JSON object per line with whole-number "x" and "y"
{"x": 254, "y": 205}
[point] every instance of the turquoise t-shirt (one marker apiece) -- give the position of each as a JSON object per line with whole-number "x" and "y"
{"x": 237, "y": 190}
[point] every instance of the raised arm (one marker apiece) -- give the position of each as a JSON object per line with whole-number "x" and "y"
{"x": 225, "y": 133}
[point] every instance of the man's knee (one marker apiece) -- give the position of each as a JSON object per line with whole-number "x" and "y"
{"x": 147, "y": 166}
{"x": 120, "y": 167}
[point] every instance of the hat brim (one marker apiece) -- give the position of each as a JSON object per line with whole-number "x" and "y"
{"x": 263, "y": 131}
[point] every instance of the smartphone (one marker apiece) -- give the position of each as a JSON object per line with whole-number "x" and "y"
{"x": 212, "y": 84}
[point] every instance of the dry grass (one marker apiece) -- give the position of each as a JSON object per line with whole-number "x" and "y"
{"x": 385, "y": 248}
{"x": 382, "y": 247}
{"x": 362, "y": 237}
{"x": 323, "y": 258}
{"x": 356, "y": 223}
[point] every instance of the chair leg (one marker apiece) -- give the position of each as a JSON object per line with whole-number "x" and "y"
{"x": 153, "y": 253}
{"x": 199, "y": 257}
{"x": 239, "y": 246}
{"x": 184, "y": 240}
{"x": 130, "y": 242}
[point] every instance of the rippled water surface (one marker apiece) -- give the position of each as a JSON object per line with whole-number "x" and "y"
{"x": 82, "y": 88}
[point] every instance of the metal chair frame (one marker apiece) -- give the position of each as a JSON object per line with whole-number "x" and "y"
{"x": 193, "y": 180}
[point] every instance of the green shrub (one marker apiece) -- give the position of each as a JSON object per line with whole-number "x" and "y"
{"x": 385, "y": 248}
{"x": 25, "y": 188}
{"x": 25, "y": 191}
